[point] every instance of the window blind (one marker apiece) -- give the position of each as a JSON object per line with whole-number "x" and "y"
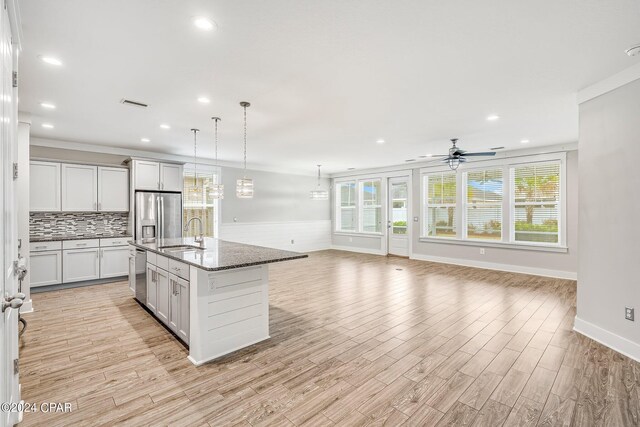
{"x": 484, "y": 204}
{"x": 440, "y": 211}
{"x": 536, "y": 189}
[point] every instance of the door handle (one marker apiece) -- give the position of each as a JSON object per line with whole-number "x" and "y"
{"x": 13, "y": 302}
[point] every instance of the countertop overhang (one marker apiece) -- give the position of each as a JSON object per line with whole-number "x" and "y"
{"x": 218, "y": 254}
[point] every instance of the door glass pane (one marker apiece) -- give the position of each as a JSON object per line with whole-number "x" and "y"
{"x": 399, "y": 200}
{"x": 371, "y": 206}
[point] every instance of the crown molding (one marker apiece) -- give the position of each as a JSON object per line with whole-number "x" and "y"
{"x": 127, "y": 152}
{"x": 613, "y": 82}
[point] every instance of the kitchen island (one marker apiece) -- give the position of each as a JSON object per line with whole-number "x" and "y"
{"x": 216, "y": 298}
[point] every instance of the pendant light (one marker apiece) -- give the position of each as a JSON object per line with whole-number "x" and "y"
{"x": 195, "y": 159}
{"x": 217, "y": 190}
{"x": 319, "y": 194}
{"x": 244, "y": 186}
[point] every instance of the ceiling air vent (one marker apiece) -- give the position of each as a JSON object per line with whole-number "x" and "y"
{"x": 133, "y": 103}
{"x": 496, "y": 148}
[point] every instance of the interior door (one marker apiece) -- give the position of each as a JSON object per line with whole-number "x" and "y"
{"x": 398, "y": 216}
{"x": 11, "y": 301}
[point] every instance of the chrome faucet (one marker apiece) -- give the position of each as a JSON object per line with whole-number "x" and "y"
{"x": 198, "y": 239}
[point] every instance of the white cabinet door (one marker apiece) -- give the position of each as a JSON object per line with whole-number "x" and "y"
{"x": 152, "y": 288}
{"x": 174, "y": 303}
{"x": 114, "y": 262}
{"x": 146, "y": 175}
{"x": 79, "y": 188}
{"x": 45, "y": 268}
{"x": 44, "y": 186}
{"x": 80, "y": 264}
{"x": 163, "y": 295}
{"x": 170, "y": 177}
{"x": 113, "y": 189}
{"x": 183, "y": 302}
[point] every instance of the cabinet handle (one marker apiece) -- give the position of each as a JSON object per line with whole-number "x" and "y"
{"x": 81, "y": 244}
{"x": 99, "y": 206}
{"x": 94, "y": 206}
{"x": 40, "y": 247}
{"x": 158, "y": 185}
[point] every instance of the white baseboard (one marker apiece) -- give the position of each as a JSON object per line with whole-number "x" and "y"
{"x": 358, "y": 250}
{"x": 609, "y": 339}
{"x": 500, "y": 267}
{"x": 308, "y": 236}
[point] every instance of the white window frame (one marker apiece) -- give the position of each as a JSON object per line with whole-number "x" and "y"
{"x": 508, "y": 214}
{"x": 217, "y": 203}
{"x": 359, "y": 181}
{"x": 465, "y": 205}
{"x": 424, "y": 210}
{"x": 360, "y": 205}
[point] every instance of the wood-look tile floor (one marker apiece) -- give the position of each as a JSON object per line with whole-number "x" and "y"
{"x": 356, "y": 339}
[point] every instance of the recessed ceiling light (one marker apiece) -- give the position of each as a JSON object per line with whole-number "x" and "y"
{"x": 145, "y": 140}
{"x": 493, "y": 117}
{"x": 48, "y": 105}
{"x": 633, "y": 51}
{"x": 50, "y": 60}
{"x": 165, "y": 126}
{"x": 524, "y": 141}
{"x": 47, "y": 125}
{"x": 204, "y": 24}
{"x": 204, "y": 100}
{"x": 380, "y": 141}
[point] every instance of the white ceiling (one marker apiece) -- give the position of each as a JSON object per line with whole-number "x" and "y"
{"x": 326, "y": 78}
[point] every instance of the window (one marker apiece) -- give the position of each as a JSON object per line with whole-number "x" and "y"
{"x": 536, "y": 198}
{"x": 511, "y": 201}
{"x": 346, "y": 212}
{"x": 440, "y": 212}
{"x": 370, "y": 196}
{"x": 484, "y": 204}
{"x": 197, "y": 202}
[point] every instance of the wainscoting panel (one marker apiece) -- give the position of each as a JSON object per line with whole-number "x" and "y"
{"x": 306, "y": 235}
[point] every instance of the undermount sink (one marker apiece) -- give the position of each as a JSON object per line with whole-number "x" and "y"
{"x": 176, "y": 248}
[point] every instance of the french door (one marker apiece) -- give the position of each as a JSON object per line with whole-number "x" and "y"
{"x": 9, "y": 297}
{"x": 398, "y": 225}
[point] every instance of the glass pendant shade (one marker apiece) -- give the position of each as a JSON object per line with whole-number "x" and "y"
{"x": 244, "y": 188}
{"x": 216, "y": 191}
{"x": 319, "y": 195}
{"x": 454, "y": 163}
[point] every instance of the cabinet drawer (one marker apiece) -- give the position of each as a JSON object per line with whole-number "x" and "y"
{"x": 45, "y": 246}
{"x": 114, "y": 241}
{"x": 162, "y": 262}
{"x": 178, "y": 268}
{"x": 80, "y": 244}
{"x": 152, "y": 258}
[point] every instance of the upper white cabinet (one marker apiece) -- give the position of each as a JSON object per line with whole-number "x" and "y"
{"x": 113, "y": 189}
{"x": 79, "y": 188}
{"x": 154, "y": 176}
{"x": 170, "y": 177}
{"x": 44, "y": 186}
{"x": 146, "y": 175}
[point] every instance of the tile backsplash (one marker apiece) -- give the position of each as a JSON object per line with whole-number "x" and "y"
{"x": 57, "y": 224}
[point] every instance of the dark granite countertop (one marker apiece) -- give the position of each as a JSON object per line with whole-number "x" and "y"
{"x": 219, "y": 254}
{"x": 34, "y": 239}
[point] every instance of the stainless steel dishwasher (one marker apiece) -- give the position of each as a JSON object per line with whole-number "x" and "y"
{"x": 138, "y": 274}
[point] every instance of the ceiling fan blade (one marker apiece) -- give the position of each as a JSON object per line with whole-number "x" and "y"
{"x": 486, "y": 153}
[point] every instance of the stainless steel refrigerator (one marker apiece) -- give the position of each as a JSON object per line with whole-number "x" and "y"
{"x": 158, "y": 215}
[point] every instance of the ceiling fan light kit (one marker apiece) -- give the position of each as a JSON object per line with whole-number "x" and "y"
{"x": 457, "y": 155}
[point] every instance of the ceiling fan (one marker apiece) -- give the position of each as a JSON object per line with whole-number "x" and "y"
{"x": 457, "y": 155}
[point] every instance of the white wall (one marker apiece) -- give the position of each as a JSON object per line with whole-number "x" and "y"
{"x": 555, "y": 264}
{"x": 280, "y": 211}
{"x": 608, "y": 221}
{"x": 24, "y": 128}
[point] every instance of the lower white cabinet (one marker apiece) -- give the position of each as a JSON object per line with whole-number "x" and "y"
{"x": 152, "y": 288}
{"x": 162, "y": 306}
{"x": 114, "y": 261}
{"x": 45, "y": 268}
{"x": 80, "y": 265}
{"x": 179, "y": 307}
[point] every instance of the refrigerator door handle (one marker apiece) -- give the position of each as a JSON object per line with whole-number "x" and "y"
{"x": 158, "y": 222}
{"x": 162, "y": 213}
